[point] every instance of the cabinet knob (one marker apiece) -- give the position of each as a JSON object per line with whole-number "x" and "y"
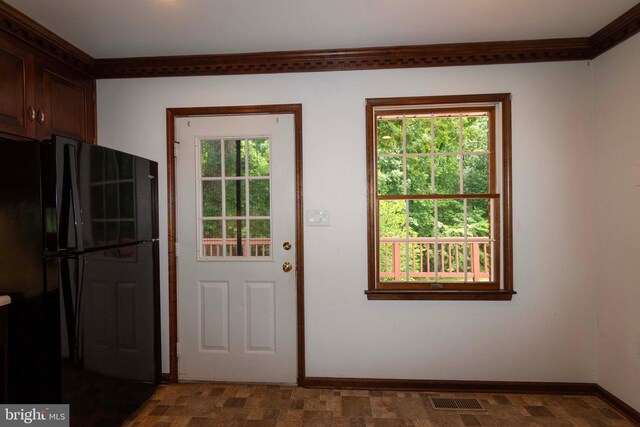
{"x": 41, "y": 117}
{"x": 31, "y": 113}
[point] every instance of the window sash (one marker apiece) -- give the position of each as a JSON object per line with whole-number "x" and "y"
{"x": 491, "y": 195}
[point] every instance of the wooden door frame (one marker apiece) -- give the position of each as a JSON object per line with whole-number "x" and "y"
{"x": 172, "y": 114}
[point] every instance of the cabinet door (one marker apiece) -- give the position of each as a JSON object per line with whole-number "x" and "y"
{"x": 17, "y": 109}
{"x": 66, "y": 104}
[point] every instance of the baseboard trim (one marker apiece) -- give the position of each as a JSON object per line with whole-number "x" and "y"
{"x": 475, "y": 387}
{"x": 618, "y": 404}
{"x": 457, "y": 386}
{"x": 165, "y": 378}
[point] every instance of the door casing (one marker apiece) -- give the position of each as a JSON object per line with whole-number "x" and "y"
{"x": 172, "y": 114}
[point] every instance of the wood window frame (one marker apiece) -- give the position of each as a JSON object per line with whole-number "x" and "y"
{"x": 502, "y": 289}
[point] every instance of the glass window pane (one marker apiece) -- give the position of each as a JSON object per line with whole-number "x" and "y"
{"x": 421, "y": 219}
{"x": 212, "y": 198}
{"x": 393, "y": 232}
{"x": 402, "y": 253}
{"x": 386, "y": 261}
{"x": 479, "y": 213}
{"x": 210, "y": 158}
{"x": 211, "y": 237}
{"x": 447, "y": 171}
{"x": 476, "y": 174}
{"x": 236, "y": 237}
{"x": 260, "y": 237}
{"x": 475, "y": 133}
{"x": 259, "y": 157}
{"x": 447, "y": 134}
{"x": 418, "y": 175}
{"x": 479, "y": 261}
{"x": 451, "y": 260}
{"x": 418, "y": 135}
{"x": 392, "y": 261}
{"x": 450, "y": 218}
{"x": 478, "y": 221}
{"x": 422, "y": 242}
{"x": 451, "y": 240}
{"x": 390, "y": 175}
{"x": 259, "y": 203}
{"x": 234, "y": 157}
{"x": 392, "y": 219}
{"x": 235, "y": 194}
{"x": 389, "y": 136}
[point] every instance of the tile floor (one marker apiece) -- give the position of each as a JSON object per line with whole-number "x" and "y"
{"x": 238, "y": 405}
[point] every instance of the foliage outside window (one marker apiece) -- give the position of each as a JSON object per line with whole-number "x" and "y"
{"x": 234, "y": 203}
{"x": 439, "y": 197}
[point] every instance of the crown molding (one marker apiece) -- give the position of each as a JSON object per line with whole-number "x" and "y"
{"x": 35, "y": 35}
{"x": 440, "y": 55}
{"x": 617, "y": 31}
{"x": 38, "y": 37}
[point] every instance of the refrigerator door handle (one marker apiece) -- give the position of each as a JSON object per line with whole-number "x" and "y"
{"x": 69, "y": 306}
{"x": 75, "y": 196}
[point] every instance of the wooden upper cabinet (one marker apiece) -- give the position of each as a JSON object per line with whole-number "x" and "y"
{"x": 65, "y": 103}
{"x": 40, "y": 96}
{"x": 17, "y": 106}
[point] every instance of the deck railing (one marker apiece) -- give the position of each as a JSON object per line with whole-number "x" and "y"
{"x": 422, "y": 258}
{"x": 213, "y": 247}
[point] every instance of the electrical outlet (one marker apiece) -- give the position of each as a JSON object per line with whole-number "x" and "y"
{"x": 317, "y": 218}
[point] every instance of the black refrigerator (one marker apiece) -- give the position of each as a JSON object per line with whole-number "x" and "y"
{"x": 79, "y": 259}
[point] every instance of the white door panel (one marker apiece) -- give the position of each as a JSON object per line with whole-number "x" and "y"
{"x": 236, "y": 314}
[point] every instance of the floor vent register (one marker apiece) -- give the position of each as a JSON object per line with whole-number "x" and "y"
{"x": 467, "y": 404}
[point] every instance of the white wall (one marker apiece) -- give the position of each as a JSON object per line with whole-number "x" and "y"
{"x": 617, "y": 111}
{"x": 547, "y": 333}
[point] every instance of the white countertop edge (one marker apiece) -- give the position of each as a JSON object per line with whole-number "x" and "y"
{"x": 5, "y": 300}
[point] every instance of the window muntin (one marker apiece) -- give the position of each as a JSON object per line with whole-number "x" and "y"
{"x": 234, "y": 198}
{"x": 436, "y": 209}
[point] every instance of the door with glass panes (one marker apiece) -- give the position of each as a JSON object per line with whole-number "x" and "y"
{"x": 235, "y": 195}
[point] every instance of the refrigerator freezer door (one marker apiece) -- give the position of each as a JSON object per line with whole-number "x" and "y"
{"x": 96, "y": 197}
{"x": 117, "y": 197}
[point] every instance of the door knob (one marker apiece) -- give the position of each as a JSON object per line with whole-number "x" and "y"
{"x": 286, "y": 246}
{"x": 286, "y": 267}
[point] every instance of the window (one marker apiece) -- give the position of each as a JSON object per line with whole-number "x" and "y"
{"x": 234, "y": 204}
{"x": 439, "y": 211}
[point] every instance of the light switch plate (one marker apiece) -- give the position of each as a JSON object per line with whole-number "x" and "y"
{"x": 318, "y": 218}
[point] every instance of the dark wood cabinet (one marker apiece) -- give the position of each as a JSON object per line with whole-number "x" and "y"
{"x": 17, "y": 102}
{"x": 65, "y": 103}
{"x": 40, "y": 96}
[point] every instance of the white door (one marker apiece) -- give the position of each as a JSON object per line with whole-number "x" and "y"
{"x": 235, "y": 195}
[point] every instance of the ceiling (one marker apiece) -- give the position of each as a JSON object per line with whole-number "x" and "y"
{"x": 133, "y": 28}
